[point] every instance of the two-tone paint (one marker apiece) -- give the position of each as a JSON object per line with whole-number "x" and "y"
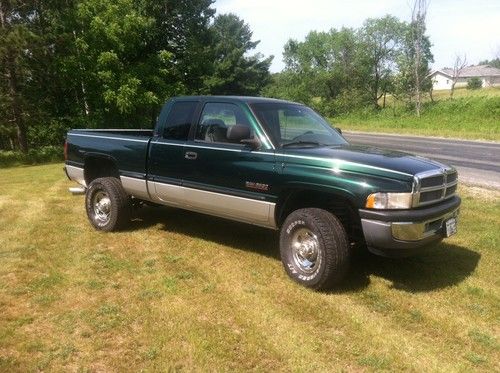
{"x": 217, "y": 179}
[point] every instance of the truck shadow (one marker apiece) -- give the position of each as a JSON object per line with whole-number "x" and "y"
{"x": 442, "y": 265}
{"x": 217, "y": 230}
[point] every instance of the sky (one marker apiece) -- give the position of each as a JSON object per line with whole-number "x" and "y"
{"x": 470, "y": 27}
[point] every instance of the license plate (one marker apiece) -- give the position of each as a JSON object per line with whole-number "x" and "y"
{"x": 451, "y": 227}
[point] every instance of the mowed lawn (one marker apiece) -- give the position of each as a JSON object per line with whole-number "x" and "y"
{"x": 182, "y": 291}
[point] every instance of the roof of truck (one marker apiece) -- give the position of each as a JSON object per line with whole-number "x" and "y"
{"x": 246, "y": 99}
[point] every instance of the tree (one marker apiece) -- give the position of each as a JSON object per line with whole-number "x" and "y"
{"x": 133, "y": 55}
{"x": 329, "y": 67}
{"x": 123, "y": 77}
{"x": 382, "y": 40}
{"x": 233, "y": 71}
{"x": 413, "y": 77}
{"x": 286, "y": 85}
{"x": 459, "y": 64}
{"x": 493, "y": 63}
{"x": 107, "y": 63}
{"x": 420, "y": 64}
{"x": 182, "y": 29}
{"x": 15, "y": 39}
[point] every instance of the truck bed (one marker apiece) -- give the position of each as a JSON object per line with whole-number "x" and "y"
{"x": 126, "y": 148}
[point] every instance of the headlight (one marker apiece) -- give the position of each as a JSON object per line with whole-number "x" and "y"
{"x": 389, "y": 201}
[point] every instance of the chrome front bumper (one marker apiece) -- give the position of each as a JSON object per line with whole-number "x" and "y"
{"x": 411, "y": 231}
{"x": 401, "y": 233}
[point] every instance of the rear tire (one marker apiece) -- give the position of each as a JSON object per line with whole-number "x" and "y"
{"x": 107, "y": 204}
{"x": 314, "y": 248}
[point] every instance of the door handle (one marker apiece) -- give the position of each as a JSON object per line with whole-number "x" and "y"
{"x": 191, "y": 155}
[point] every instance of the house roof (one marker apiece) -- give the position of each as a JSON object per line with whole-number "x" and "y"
{"x": 471, "y": 71}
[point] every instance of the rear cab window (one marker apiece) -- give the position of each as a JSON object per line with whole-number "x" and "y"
{"x": 179, "y": 119}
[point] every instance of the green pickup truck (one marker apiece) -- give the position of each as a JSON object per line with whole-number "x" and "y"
{"x": 271, "y": 163}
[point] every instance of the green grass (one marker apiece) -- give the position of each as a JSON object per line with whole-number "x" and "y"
{"x": 182, "y": 291}
{"x": 469, "y": 115}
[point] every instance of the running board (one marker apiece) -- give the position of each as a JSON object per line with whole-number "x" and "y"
{"x": 77, "y": 191}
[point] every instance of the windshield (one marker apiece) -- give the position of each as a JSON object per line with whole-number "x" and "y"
{"x": 293, "y": 125}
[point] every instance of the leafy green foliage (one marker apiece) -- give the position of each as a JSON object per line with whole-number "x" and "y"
{"x": 103, "y": 63}
{"x": 474, "y": 83}
{"x": 15, "y": 38}
{"x": 324, "y": 71}
{"x": 42, "y": 154}
{"x": 406, "y": 84}
{"x": 342, "y": 71}
{"x": 493, "y": 63}
{"x": 233, "y": 72}
{"x": 382, "y": 42}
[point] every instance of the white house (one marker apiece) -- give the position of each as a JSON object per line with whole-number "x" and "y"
{"x": 443, "y": 79}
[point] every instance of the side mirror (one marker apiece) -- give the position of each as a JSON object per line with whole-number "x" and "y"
{"x": 240, "y": 133}
{"x": 253, "y": 143}
{"x": 338, "y": 130}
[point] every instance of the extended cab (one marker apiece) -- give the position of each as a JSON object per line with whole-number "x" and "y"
{"x": 274, "y": 164}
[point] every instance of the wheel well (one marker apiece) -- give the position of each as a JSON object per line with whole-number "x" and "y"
{"x": 96, "y": 167}
{"x": 338, "y": 205}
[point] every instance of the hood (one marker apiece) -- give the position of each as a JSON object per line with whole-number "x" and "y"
{"x": 365, "y": 159}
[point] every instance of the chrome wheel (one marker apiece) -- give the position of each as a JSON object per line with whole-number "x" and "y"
{"x": 306, "y": 250}
{"x": 102, "y": 207}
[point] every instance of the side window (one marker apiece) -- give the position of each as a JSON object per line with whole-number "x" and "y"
{"x": 179, "y": 120}
{"x": 223, "y": 123}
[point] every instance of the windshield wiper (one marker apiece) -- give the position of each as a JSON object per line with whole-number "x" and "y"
{"x": 300, "y": 142}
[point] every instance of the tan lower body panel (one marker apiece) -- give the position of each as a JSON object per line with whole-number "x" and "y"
{"x": 76, "y": 174}
{"x": 135, "y": 187}
{"x": 226, "y": 206}
{"x": 241, "y": 209}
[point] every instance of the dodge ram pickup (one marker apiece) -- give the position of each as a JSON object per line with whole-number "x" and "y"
{"x": 274, "y": 164}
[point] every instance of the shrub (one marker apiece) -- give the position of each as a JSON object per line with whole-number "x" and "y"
{"x": 474, "y": 83}
{"x": 43, "y": 154}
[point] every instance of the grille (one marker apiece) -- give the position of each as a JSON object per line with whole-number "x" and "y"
{"x": 435, "y": 186}
{"x": 452, "y": 177}
{"x": 430, "y": 196}
{"x": 451, "y": 190}
{"x": 432, "y": 181}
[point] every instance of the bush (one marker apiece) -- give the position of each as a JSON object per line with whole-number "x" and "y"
{"x": 474, "y": 83}
{"x": 43, "y": 154}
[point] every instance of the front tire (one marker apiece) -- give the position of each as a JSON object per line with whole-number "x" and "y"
{"x": 314, "y": 248}
{"x": 107, "y": 204}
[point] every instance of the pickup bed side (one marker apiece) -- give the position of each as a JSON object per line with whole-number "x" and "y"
{"x": 93, "y": 154}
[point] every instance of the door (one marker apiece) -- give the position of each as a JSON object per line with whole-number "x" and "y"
{"x": 224, "y": 176}
{"x": 166, "y": 155}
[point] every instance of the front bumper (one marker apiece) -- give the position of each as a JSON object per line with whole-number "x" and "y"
{"x": 403, "y": 233}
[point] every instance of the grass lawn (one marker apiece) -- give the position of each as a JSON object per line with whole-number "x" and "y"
{"x": 469, "y": 115}
{"x": 183, "y": 291}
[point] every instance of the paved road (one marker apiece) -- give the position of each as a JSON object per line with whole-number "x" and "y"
{"x": 478, "y": 163}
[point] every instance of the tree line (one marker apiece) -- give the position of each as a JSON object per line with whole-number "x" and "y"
{"x": 343, "y": 70}
{"x": 113, "y": 63}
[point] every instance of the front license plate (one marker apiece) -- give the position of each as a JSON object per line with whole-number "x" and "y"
{"x": 451, "y": 227}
